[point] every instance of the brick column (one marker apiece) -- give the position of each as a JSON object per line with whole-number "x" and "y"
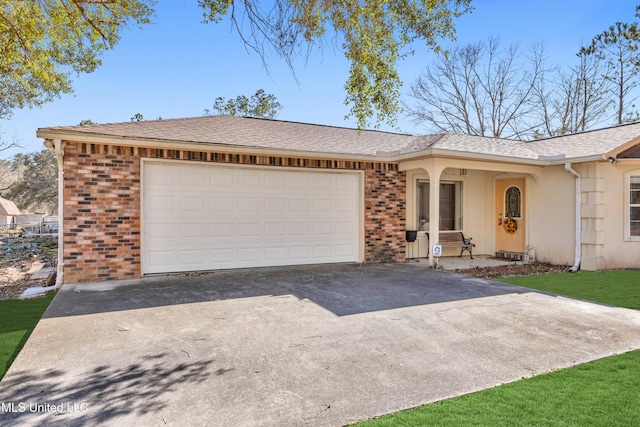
{"x": 385, "y": 216}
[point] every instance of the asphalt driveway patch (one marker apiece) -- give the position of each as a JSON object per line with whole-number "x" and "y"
{"x": 319, "y": 345}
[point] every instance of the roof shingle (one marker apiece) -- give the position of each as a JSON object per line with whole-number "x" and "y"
{"x": 233, "y": 131}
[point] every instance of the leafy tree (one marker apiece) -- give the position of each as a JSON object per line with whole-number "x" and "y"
{"x": 36, "y": 182}
{"x": 618, "y": 46}
{"x": 260, "y": 104}
{"x": 480, "y": 89}
{"x": 43, "y": 41}
{"x": 7, "y": 175}
{"x": 86, "y": 122}
{"x": 373, "y": 34}
{"x": 576, "y": 101}
{"x": 137, "y": 117}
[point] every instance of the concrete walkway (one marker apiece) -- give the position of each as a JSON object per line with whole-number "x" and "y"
{"x": 464, "y": 262}
{"x": 317, "y": 346}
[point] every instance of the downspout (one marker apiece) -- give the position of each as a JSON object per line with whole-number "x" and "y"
{"x": 578, "y": 249}
{"x": 58, "y": 146}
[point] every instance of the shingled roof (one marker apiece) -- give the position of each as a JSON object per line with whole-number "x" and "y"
{"x": 234, "y": 131}
{"x": 7, "y": 207}
{"x": 266, "y": 134}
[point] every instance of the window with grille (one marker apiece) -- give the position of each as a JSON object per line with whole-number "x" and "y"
{"x": 513, "y": 202}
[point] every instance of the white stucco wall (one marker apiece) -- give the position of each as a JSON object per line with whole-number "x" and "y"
{"x": 606, "y": 243}
{"x": 551, "y": 216}
{"x": 550, "y": 210}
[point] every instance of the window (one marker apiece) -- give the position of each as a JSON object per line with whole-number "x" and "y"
{"x": 513, "y": 202}
{"x": 634, "y": 206}
{"x": 450, "y": 205}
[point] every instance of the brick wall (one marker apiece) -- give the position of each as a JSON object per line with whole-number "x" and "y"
{"x": 385, "y": 216}
{"x": 102, "y": 206}
{"x": 101, "y": 213}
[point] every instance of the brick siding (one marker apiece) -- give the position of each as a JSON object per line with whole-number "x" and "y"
{"x": 385, "y": 211}
{"x": 102, "y": 206}
{"x": 101, "y": 213}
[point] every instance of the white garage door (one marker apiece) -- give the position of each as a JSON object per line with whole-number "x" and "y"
{"x": 202, "y": 217}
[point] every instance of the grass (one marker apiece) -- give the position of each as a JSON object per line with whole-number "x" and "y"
{"x": 18, "y": 318}
{"x": 617, "y": 287}
{"x": 605, "y": 392}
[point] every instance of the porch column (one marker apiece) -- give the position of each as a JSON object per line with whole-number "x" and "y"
{"x": 434, "y": 169}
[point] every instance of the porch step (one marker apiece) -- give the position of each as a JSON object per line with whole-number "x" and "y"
{"x": 511, "y": 256}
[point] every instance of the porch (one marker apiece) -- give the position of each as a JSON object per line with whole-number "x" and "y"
{"x": 513, "y": 211}
{"x": 464, "y": 262}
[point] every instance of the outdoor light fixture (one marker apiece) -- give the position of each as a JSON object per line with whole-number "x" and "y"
{"x": 613, "y": 160}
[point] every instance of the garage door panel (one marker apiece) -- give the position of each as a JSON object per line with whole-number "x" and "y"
{"x": 300, "y": 229}
{"x": 345, "y": 228}
{"x": 221, "y": 205}
{"x": 193, "y": 258}
{"x": 320, "y": 229}
{"x": 323, "y": 182}
{"x": 276, "y": 182}
{"x": 249, "y": 180}
{"x": 249, "y": 255}
{"x": 192, "y": 178}
{"x": 160, "y": 203}
{"x": 276, "y": 229}
{"x": 344, "y": 183}
{"x": 222, "y": 256}
{"x": 300, "y": 183}
{"x": 249, "y": 206}
{"x": 196, "y": 231}
{"x": 199, "y": 217}
{"x": 160, "y": 230}
{"x": 221, "y": 179}
{"x": 250, "y": 229}
{"x": 221, "y": 230}
{"x": 346, "y": 206}
{"x": 323, "y": 251}
{"x": 346, "y": 251}
{"x": 276, "y": 254}
{"x": 276, "y": 205}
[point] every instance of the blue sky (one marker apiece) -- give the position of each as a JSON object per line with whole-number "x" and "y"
{"x": 178, "y": 66}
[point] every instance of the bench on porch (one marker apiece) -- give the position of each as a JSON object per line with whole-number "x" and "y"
{"x": 454, "y": 240}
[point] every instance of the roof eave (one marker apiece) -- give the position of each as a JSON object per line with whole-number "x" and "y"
{"x": 582, "y": 159}
{"x": 199, "y": 146}
{"x": 439, "y": 152}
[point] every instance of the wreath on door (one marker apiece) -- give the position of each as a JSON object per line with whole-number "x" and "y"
{"x": 510, "y": 225}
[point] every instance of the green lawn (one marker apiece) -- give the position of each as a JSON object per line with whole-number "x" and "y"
{"x": 617, "y": 287}
{"x": 601, "y": 393}
{"x": 17, "y": 320}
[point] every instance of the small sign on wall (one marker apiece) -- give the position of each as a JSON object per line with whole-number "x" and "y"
{"x": 437, "y": 250}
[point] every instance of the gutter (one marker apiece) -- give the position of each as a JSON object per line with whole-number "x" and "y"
{"x": 58, "y": 146}
{"x": 578, "y": 249}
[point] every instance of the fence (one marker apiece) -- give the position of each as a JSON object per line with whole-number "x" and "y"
{"x": 42, "y": 227}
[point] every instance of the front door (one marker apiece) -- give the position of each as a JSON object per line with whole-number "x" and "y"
{"x": 510, "y": 211}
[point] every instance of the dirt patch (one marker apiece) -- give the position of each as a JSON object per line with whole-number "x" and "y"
{"x": 511, "y": 270}
{"x": 17, "y": 258}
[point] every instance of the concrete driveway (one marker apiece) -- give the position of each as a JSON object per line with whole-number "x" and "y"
{"x": 321, "y": 346}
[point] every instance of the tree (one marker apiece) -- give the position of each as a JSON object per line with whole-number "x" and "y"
{"x": 261, "y": 104}
{"x": 618, "y": 46}
{"x": 86, "y": 122}
{"x": 137, "y": 117}
{"x": 36, "y": 184}
{"x": 374, "y": 36}
{"x": 578, "y": 99}
{"x": 43, "y": 41}
{"x": 480, "y": 89}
